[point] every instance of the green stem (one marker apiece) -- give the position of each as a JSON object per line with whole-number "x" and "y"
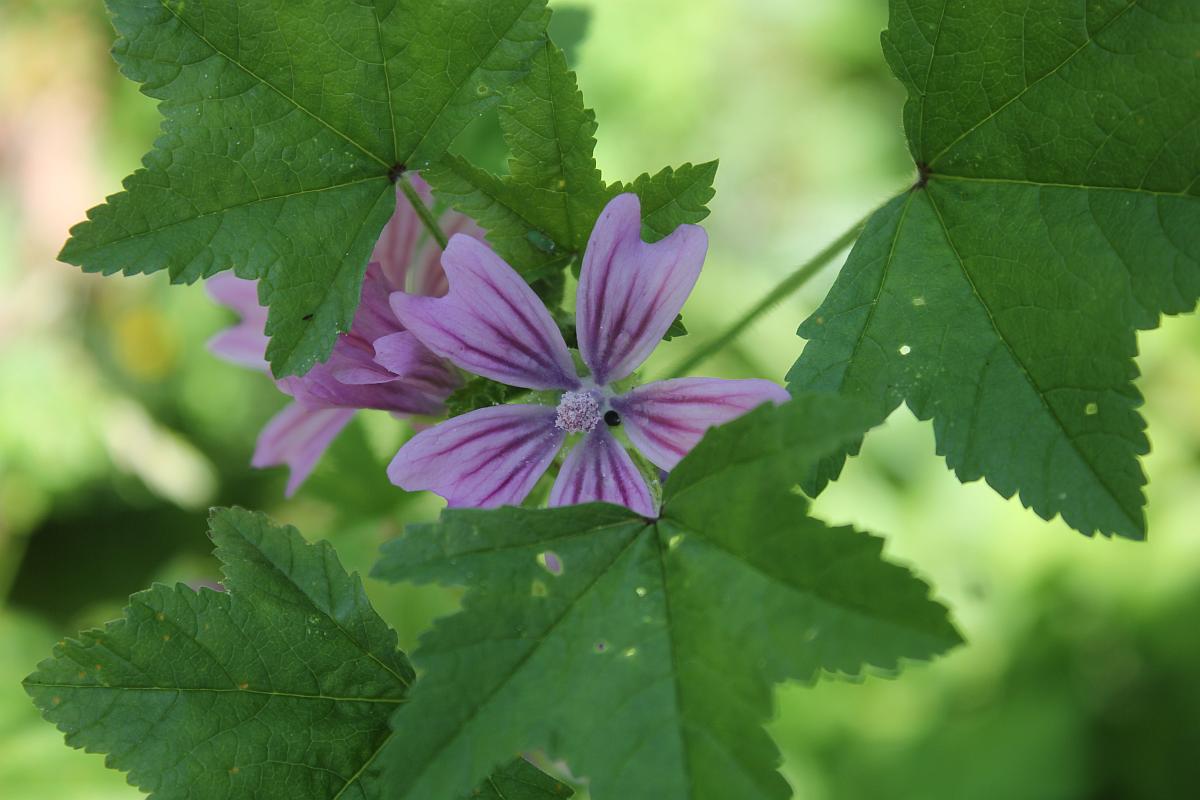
{"x": 427, "y": 218}
{"x": 785, "y": 287}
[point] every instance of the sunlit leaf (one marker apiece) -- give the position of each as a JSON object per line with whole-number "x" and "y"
{"x": 1057, "y": 212}
{"x": 278, "y": 687}
{"x": 285, "y": 125}
{"x": 539, "y": 216}
{"x": 643, "y": 651}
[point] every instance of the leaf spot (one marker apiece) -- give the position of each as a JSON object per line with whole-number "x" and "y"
{"x": 601, "y": 646}
{"x": 550, "y": 562}
{"x": 1091, "y": 409}
{"x": 905, "y": 350}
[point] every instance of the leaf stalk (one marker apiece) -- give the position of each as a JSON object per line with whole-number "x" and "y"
{"x": 423, "y": 211}
{"x": 798, "y": 277}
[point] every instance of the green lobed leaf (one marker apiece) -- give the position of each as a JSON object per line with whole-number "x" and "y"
{"x": 643, "y": 651}
{"x": 520, "y": 780}
{"x": 479, "y": 393}
{"x": 1057, "y": 212}
{"x": 539, "y": 216}
{"x": 285, "y": 125}
{"x": 676, "y": 330}
{"x": 672, "y": 197}
{"x": 280, "y": 686}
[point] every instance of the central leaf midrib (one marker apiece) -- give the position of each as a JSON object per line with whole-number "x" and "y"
{"x": 874, "y": 304}
{"x": 1053, "y": 185}
{"x": 1033, "y": 385}
{"x": 674, "y": 663}
{"x": 296, "y": 103}
{"x": 225, "y": 209}
{"x": 387, "y": 83}
{"x": 1088, "y": 41}
{"x": 558, "y": 144}
{"x": 843, "y": 606}
{"x": 289, "y": 580}
{"x": 363, "y": 768}
{"x": 458, "y": 87}
{"x": 413, "y": 566}
{"x": 216, "y": 690}
{"x": 524, "y": 659}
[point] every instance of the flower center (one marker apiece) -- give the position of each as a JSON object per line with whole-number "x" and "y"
{"x": 578, "y": 412}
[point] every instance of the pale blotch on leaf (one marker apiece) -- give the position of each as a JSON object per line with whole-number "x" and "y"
{"x": 640, "y": 591}
{"x": 918, "y": 301}
{"x": 905, "y": 349}
{"x": 674, "y": 541}
{"x": 538, "y": 589}
{"x": 630, "y": 652}
{"x": 550, "y": 562}
{"x": 1091, "y": 409}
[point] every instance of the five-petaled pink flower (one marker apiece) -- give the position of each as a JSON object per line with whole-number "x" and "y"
{"x": 376, "y": 365}
{"x": 492, "y": 324}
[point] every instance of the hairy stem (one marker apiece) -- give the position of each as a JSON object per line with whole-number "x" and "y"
{"x": 427, "y": 218}
{"x": 785, "y": 287}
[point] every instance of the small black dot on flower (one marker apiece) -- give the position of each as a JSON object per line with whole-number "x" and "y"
{"x": 612, "y": 418}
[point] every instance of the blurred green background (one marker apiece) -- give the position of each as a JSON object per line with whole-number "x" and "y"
{"x": 118, "y": 430}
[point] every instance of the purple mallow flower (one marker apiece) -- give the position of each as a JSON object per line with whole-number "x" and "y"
{"x": 491, "y": 323}
{"x": 378, "y": 364}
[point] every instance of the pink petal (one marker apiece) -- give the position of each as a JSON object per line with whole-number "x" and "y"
{"x": 666, "y": 419}
{"x": 490, "y": 323}
{"x": 374, "y": 316}
{"x": 483, "y": 459}
{"x": 356, "y": 366}
{"x": 599, "y": 470}
{"x": 297, "y": 437}
{"x": 426, "y": 276}
{"x": 630, "y": 291}
{"x": 236, "y": 293}
{"x": 402, "y": 354}
{"x": 323, "y": 385}
{"x": 398, "y": 240}
{"x": 245, "y": 343}
{"x": 408, "y": 256}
